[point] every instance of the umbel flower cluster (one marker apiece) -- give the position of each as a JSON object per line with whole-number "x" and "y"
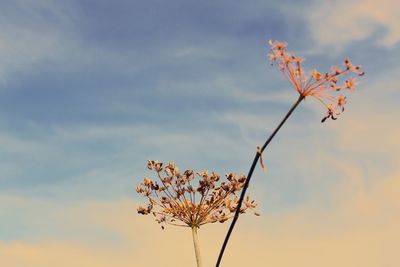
{"x": 321, "y": 86}
{"x": 176, "y": 200}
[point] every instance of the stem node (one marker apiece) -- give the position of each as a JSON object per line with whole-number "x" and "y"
{"x": 246, "y": 185}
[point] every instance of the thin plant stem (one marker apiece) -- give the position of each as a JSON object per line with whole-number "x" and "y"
{"x": 196, "y": 246}
{"x": 253, "y": 165}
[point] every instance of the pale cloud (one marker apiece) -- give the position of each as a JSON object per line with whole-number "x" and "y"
{"x": 252, "y": 126}
{"x": 65, "y": 254}
{"x": 33, "y": 32}
{"x": 104, "y": 170}
{"x": 369, "y": 127}
{"x": 358, "y": 226}
{"x": 335, "y": 24}
{"x": 359, "y": 229}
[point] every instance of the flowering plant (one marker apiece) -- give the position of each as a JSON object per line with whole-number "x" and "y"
{"x": 176, "y": 200}
{"x": 323, "y": 87}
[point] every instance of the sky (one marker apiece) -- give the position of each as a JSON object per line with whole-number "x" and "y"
{"x": 91, "y": 90}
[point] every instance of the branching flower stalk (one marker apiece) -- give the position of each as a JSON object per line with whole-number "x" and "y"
{"x": 174, "y": 199}
{"x": 323, "y": 87}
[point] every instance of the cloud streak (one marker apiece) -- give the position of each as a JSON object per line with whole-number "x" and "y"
{"x": 90, "y": 92}
{"x": 360, "y": 228}
{"x": 354, "y": 21}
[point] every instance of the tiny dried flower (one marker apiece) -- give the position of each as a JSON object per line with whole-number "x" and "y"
{"x": 174, "y": 199}
{"x": 321, "y": 86}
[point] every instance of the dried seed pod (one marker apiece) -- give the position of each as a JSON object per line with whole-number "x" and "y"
{"x": 175, "y": 201}
{"x": 321, "y": 87}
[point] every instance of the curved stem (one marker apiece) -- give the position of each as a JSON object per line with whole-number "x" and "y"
{"x": 253, "y": 165}
{"x": 196, "y": 245}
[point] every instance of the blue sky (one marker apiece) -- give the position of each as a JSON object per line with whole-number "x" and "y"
{"x": 90, "y": 90}
{"x": 126, "y": 65}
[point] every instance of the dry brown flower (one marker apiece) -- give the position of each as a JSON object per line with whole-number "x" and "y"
{"x": 321, "y": 86}
{"x": 175, "y": 199}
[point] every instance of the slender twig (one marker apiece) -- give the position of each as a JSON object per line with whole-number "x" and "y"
{"x": 253, "y": 165}
{"x": 196, "y": 245}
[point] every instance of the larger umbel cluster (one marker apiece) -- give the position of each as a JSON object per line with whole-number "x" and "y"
{"x": 321, "y": 86}
{"x": 176, "y": 200}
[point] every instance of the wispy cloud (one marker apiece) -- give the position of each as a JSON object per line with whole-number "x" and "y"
{"x": 359, "y": 228}
{"x": 92, "y": 91}
{"x": 339, "y": 23}
{"x": 33, "y": 33}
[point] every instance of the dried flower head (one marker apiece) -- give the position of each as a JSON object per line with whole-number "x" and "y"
{"x": 174, "y": 199}
{"x": 321, "y": 86}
